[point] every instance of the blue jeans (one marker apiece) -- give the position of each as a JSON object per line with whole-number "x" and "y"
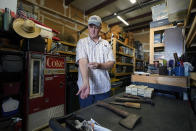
{"x": 93, "y": 99}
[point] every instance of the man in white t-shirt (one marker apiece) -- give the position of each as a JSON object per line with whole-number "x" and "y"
{"x": 94, "y": 56}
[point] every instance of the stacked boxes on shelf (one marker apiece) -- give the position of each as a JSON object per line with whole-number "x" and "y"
{"x": 124, "y": 59}
{"x": 141, "y": 90}
{"x": 124, "y": 55}
{"x": 159, "y": 12}
{"x": 68, "y": 49}
{"x": 125, "y": 50}
{"x": 123, "y": 69}
{"x": 61, "y": 46}
{"x": 148, "y": 92}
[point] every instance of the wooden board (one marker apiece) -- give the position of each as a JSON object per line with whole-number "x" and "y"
{"x": 173, "y": 81}
{"x": 192, "y": 33}
{"x": 57, "y": 5}
{"x": 179, "y": 81}
{"x": 193, "y": 75}
{"x": 159, "y": 45}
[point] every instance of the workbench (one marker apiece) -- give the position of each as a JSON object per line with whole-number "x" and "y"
{"x": 178, "y": 84}
{"x": 168, "y": 114}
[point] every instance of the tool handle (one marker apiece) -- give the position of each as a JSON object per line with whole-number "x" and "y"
{"x": 131, "y": 96}
{"x": 144, "y": 100}
{"x": 120, "y": 99}
{"x": 130, "y": 104}
{"x": 134, "y": 100}
{"x": 112, "y": 108}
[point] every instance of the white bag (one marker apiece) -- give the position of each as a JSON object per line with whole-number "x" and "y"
{"x": 10, "y": 105}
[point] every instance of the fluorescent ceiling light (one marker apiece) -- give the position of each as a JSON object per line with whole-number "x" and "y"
{"x": 121, "y": 19}
{"x": 132, "y": 1}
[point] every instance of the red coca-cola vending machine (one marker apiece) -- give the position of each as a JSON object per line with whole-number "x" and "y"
{"x": 45, "y": 90}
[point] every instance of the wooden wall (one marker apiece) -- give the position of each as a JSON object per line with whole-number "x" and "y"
{"x": 68, "y": 20}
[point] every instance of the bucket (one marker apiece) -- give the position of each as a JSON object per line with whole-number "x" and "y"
{"x": 179, "y": 71}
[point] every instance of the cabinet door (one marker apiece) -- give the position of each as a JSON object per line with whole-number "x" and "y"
{"x": 36, "y": 83}
{"x": 54, "y": 81}
{"x": 54, "y": 90}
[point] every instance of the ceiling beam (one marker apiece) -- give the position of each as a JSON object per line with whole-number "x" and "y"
{"x": 128, "y": 10}
{"x": 67, "y": 2}
{"x": 138, "y": 28}
{"x": 137, "y": 24}
{"x": 133, "y": 18}
{"x": 99, "y": 6}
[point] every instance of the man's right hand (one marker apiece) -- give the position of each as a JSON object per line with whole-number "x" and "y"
{"x": 84, "y": 91}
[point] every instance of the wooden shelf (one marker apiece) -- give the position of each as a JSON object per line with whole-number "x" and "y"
{"x": 159, "y": 45}
{"x": 73, "y": 71}
{"x": 154, "y": 46}
{"x": 161, "y": 28}
{"x": 186, "y": 21}
{"x": 114, "y": 80}
{"x": 127, "y": 64}
{"x": 68, "y": 53}
{"x": 139, "y": 68}
{"x": 191, "y": 34}
{"x": 120, "y": 53}
{"x": 122, "y": 43}
{"x": 116, "y": 53}
{"x": 10, "y": 51}
{"x": 67, "y": 43}
{"x": 71, "y": 62}
{"x": 122, "y": 74}
{"x": 139, "y": 59}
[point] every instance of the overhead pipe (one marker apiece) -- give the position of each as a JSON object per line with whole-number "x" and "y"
{"x": 137, "y": 24}
{"x": 132, "y": 18}
{"x": 128, "y": 10}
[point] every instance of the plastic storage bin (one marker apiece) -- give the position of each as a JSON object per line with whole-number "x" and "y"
{"x": 179, "y": 71}
{"x": 177, "y": 10}
{"x": 159, "y": 12}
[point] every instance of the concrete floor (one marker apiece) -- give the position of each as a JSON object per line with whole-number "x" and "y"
{"x": 48, "y": 128}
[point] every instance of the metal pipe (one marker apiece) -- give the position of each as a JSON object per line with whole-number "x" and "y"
{"x": 128, "y": 10}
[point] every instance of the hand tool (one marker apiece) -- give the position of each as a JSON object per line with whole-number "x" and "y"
{"x": 136, "y": 97}
{"x": 127, "y": 104}
{"x": 147, "y": 101}
{"x": 131, "y": 96}
{"x": 130, "y": 119}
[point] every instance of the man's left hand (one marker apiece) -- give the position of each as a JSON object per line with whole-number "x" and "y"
{"x": 94, "y": 65}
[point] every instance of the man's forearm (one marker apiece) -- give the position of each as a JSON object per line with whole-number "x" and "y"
{"x": 107, "y": 65}
{"x": 83, "y": 65}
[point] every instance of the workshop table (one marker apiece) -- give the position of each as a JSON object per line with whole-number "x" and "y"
{"x": 168, "y": 114}
{"x": 162, "y": 82}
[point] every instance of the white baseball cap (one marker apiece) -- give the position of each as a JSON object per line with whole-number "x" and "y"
{"x": 96, "y": 20}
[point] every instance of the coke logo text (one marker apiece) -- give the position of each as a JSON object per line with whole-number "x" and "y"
{"x": 54, "y": 63}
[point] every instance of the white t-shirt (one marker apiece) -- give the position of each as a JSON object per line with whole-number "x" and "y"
{"x": 100, "y": 52}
